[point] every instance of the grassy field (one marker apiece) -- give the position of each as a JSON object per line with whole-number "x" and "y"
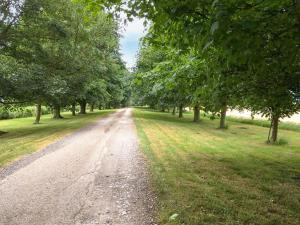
{"x": 24, "y": 137}
{"x": 265, "y": 123}
{"x": 204, "y": 175}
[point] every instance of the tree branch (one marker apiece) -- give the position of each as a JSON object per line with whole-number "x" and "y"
{"x": 12, "y": 103}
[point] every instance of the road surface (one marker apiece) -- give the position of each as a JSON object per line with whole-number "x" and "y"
{"x": 94, "y": 176}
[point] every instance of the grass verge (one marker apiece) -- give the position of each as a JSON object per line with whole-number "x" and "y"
{"x": 23, "y": 137}
{"x": 204, "y": 175}
{"x": 265, "y": 123}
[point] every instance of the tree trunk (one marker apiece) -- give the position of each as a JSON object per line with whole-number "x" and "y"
{"x": 223, "y": 118}
{"x": 297, "y": 12}
{"x": 73, "y": 109}
{"x": 92, "y": 107}
{"x": 56, "y": 112}
{"x": 180, "y": 111}
{"x": 83, "y": 107}
{"x": 197, "y": 113}
{"x": 174, "y": 111}
{"x": 38, "y": 113}
{"x": 252, "y": 115}
{"x": 275, "y": 122}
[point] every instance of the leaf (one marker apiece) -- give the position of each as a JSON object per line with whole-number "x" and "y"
{"x": 214, "y": 3}
{"x": 173, "y": 217}
{"x": 214, "y": 27}
{"x": 207, "y": 45}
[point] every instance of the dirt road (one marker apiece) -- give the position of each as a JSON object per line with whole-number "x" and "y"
{"x": 95, "y": 176}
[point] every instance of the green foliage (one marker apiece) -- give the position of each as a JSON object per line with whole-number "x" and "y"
{"x": 59, "y": 53}
{"x": 21, "y": 112}
{"x": 250, "y": 51}
{"x": 168, "y": 77}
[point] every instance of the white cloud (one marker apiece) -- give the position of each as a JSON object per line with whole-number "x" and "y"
{"x": 131, "y": 34}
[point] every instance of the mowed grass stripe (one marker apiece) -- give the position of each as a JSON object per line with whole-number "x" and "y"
{"x": 212, "y": 176}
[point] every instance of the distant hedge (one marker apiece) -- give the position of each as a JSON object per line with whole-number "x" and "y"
{"x": 21, "y": 112}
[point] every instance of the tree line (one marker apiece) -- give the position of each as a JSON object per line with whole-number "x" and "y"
{"x": 59, "y": 53}
{"x": 219, "y": 54}
{"x": 213, "y": 55}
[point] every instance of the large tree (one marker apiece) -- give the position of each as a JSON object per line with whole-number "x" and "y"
{"x": 262, "y": 36}
{"x": 58, "y": 53}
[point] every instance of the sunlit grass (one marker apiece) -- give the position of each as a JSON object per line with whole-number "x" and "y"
{"x": 212, "y": 176}
{"x": 265, "y": 123}
{"x": 23, "y": 137}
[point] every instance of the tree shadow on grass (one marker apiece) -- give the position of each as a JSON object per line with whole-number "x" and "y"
{"x": 162, "y": 116}
{"x": 45, "y": 128}
{"x": 3, "y": 132}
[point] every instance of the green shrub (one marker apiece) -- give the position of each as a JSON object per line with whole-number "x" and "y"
{"x": 4, "y": 115}
{"x": 22, "y": 112}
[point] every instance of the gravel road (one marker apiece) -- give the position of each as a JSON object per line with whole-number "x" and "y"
{"x": 95, "y": 176}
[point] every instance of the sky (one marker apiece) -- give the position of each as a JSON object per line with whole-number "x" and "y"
{"x": 131, "y": 34}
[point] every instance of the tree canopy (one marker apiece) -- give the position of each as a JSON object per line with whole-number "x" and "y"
{"x": 59, "y": 53}
{"x": 212, "y": 55}
{"x": 249, "y": 52}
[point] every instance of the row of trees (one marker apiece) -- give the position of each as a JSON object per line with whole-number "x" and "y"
{"x": 220, "y": 54}
{"x": 59, "y": 53}
{"x": 170, "y": 78}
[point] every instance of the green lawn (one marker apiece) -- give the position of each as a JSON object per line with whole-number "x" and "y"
{"x": 265, "y": 123}
{"x": 24, "y": 137}
{"x": 212, "y": 176}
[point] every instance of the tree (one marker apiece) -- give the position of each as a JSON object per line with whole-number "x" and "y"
{"x": 267, "y": 32}
{"x": 57, "y": 53}
{"x": 169, "y": 78}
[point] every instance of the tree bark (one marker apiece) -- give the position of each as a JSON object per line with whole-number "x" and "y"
{"x": 92, "y": 107}
{"x": 82, "y": 107}
{"x": 180, "y": 111}
{"x": 197, "y": 113}
{"x": 56, "y": 112}
{"x": 38, "y": 113}
{"x": 297, "y": 12}
{"x": 223, "y": 118}
{"x": 275, "y": 122}
{"x": 174, "y": 111}
{"x": 73, "y": 109}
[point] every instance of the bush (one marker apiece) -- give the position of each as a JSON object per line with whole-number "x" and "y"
{"x": 21, "y": 112}
{"x": 4, "y": 115}
{"x": 46, "y": 110}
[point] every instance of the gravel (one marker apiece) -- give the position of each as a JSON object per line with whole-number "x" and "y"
{"x": 94, "y": 176}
